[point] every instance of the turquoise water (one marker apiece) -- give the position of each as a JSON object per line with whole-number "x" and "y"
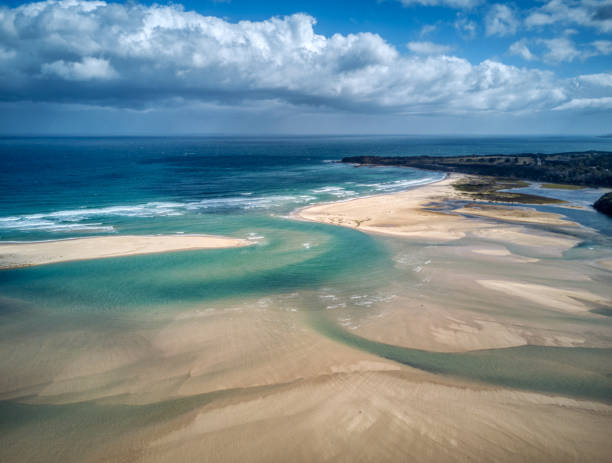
{"x": 278, "y": 263}
{"x": 65, "y": 187}
{"x": 580, "y": 372}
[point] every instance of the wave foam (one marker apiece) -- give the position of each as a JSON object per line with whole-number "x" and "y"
{"x": 80, "y": 219}
{"x": 399, "y": 184}
{"x": 337, "y": 191}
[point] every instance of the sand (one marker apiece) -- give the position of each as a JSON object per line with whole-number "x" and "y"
{"x": 605, "y": 263}
{"x": 563, "y": 299}
{"x": 194, "y": 352}
{"x": 377, "y": 416}
{"x": 447, "y": 309}
{"x": 238, "y": 384}
{"x": 25, "y": 254}
{"x": 413, "y": 214}
{"x": 398, "y": 214}
{"x": 515, "y": 214}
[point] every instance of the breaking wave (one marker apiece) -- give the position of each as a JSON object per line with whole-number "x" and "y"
{"x": 89, "y": 219}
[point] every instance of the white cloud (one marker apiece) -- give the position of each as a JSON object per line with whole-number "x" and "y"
{"x": 465, "y": 27}
{"x": 467, "y": 4}
{"x": 560, "y": 49}
{"x": 601, "y": 80}
{"x": 427, "y": 29}
{"x": 133, "y": 55}
{"x": 588, "y": 13}
{"x": 604, "y": 103}
{"x": 88, "y": 68}
{"x": 603, "y": 47}
{"x": 428, "y": 48}
{"x": 501, "y": 20}
{"x": 521, "y": 49}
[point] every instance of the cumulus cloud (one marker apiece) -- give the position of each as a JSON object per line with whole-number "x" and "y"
{"x": 87, "y": 69}
{"x": 133, "y": 55}
{"x": 428, "y": 48}
{"x": 588, "y": 13}
{"x": 501, "y": 20}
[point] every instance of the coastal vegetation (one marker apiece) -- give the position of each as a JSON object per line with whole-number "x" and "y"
{"x": 561, "y": 186}
{"x": 589, "y": 168}
{"x": 494, "y": 189}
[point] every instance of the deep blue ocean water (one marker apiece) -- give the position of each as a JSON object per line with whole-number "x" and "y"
{"x": 61, "y": 187}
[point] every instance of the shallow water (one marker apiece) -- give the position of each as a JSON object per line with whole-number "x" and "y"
{"x": 575, "y": 371}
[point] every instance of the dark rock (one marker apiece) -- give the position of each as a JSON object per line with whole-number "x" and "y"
{"x": 604, "y": 204}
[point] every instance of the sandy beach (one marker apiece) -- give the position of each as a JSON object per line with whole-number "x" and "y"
{"x": 415, "y": 214}
{"x": 46, "y": 252}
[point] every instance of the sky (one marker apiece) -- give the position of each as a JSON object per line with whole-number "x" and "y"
{"x": 415, "y": 67}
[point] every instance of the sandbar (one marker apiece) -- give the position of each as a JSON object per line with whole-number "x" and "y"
{"x": 396, "y": 214}
{"x": 25, "y": 254}
{"x": 416, "y": 214}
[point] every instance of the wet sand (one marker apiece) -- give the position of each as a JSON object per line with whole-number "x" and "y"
{"x": 515, "y": 214}
{"x": 25, "y": 254}
{"x": 255, "y": 383}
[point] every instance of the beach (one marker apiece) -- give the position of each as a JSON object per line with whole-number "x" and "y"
{"x": 416, "y": 325}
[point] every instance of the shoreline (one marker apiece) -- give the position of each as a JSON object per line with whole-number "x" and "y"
{"x": 19, "y": 254}
{"x": 296, "y": 213}
{"x": 417, "y": 213}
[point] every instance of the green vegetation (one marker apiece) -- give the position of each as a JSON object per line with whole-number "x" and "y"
{"x": 590, "y": 168}
{"x": 561, "y": 186}
{"x": 489, "y": 189}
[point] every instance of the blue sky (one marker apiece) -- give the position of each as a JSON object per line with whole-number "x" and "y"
{"x": 392, "y": 66}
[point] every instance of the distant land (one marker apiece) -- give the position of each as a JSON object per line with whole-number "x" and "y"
{"x": 589, "y": 168}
